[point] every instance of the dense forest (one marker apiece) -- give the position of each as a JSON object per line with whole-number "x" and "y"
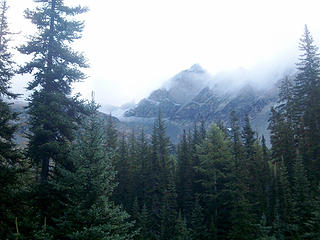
{"x": 79, "y": 178}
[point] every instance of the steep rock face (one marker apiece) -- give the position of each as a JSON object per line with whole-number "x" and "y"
{"x": 173, "y": 95}
{"x": 194, "y": 94}
{"x": 149, "y": 107}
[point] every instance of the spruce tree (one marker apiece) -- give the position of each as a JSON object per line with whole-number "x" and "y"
{"x": 282, "y": 127}
{"x": 184, "y": 176}
{"x": 159, "y": 173}
{"x": 197, "y": 221}
{"x": 122, "y": 191}
{"x": 53, "y": 112}
{"x": 112, "y": 134}
{"x": 283, "y": 225}
{"x": 143, "y": 153}
{"x": 10, "y": 158}
{"x": 89, "y": 212}
{"x": 168, "y": 213}
{"x": 304, "y": 207}
{"x": 307, "y": 105}
{"x": 144, "y": 224}
{"x": 216, "y": 167}
{"x": 6, "y": 62}
{"x": 181, "y": 230}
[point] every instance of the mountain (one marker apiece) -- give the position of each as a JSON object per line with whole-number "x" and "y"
{"x": 188, "y": 97}
{"x": 194, "y": 94}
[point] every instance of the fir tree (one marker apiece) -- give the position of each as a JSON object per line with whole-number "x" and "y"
{"x": 159, "y": 172}
{"x": 111, "y": 133}
{"x": 216, "y": 167}
{"x": 144, "y": 166}
{"x": 307, "y": 105}
{"x": 283, "y": 221}
{"x": 304, "y": 208}
{"x": 184, "y": 176}
{"x": 168, "y": 213}
{"x": 11, "y": 165}
{"x": 90, "y": 214}
{"x": 181, "y": 230}
{"x": 264, "y": 230}
{"x": 144, "y": 224}
{"x": 53, "y": 112}
{"x": 6, "y": 62}
{"x": 197, "y": 225}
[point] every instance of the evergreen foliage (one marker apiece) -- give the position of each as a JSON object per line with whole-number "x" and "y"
{"x": 12, "y": 169}
{"x": 53, "y": 112}
{"x": 90, "y": 214}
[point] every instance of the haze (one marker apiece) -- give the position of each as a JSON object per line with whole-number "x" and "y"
{"x": 133, "y": 47}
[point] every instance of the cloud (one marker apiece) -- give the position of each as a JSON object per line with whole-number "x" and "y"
{"x": 135, "y": 46}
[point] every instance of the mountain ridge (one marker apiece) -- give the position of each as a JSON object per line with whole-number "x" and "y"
{"x": 213, "y": 98}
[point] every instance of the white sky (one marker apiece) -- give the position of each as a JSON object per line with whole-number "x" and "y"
{"x": 133, "y": 46}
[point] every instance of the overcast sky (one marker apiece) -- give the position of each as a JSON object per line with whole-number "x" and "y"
{"x": 133, "y": 46}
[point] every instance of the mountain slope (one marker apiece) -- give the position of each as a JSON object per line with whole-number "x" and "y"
{"x": 194, "y": 94}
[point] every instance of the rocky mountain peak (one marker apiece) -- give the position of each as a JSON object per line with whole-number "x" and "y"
{"x": 196, "y": 68}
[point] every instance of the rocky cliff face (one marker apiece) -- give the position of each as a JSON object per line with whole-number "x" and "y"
{"x": 194, "y": 94}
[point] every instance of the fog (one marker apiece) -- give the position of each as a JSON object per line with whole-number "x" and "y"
{"x": 134, "y": 47}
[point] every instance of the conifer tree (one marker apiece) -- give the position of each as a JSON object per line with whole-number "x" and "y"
{"x": 307, "y": 105}
{"x": 6, "y": 62}
{"x": 144, "y": 166}
{"x": 248, "y": 136}
{"x": 184, "y": 176}
{"x": 53, "y": 112}
{"x": 122, "y": 193}
{"x": 266, "y": 179}
{"x": 281, "y": 126}
{"x": 181, "y": 230}
{"x": 90, "y": 213}
{"x": 202, "y": 130}
{"x": 168, "y": 214}
{"x": 197, "y": 225}
{"x": 10, "y": 158}
{"x": 304, "y": 208}
{"x": 264, "y": 230}
{"x": 251, "y": 165}
{"x": 236, "y": 138}
{"x": 195, "y": 161}
{"x": 144, "y": 224}
{"x": 284, "y": 206}
{"x": 216, "y": 167}
{"x": 7, "y": 129}
{"x": 111, "y": 133}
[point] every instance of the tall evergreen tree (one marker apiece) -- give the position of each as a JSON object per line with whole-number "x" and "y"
{"x": 307, "y": 104}
{"x": 168, "y": 214}
{"x": 90, "y": 213}
{"x": 112, "y": 134}
{"x": 122, "y": 192}
{"x": 158, "y": 176}
{"x": 252, "y": 161}
{"x": 281, "y": 125}
{"x": 10, "y": 158}
{"x": 143, "y": 152}
{"x": 6, "y": 62}
{"x": 197, "y": 225}
{"x": 181, "y": 230}
{"x": 216, "y": 166}
{"x": 184, "y": 176}
{"x": 248, "y": 136}
{"x": 304, "y": 207}
{"x": 53, "y": 112}
{"x": 236, "y": 139}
